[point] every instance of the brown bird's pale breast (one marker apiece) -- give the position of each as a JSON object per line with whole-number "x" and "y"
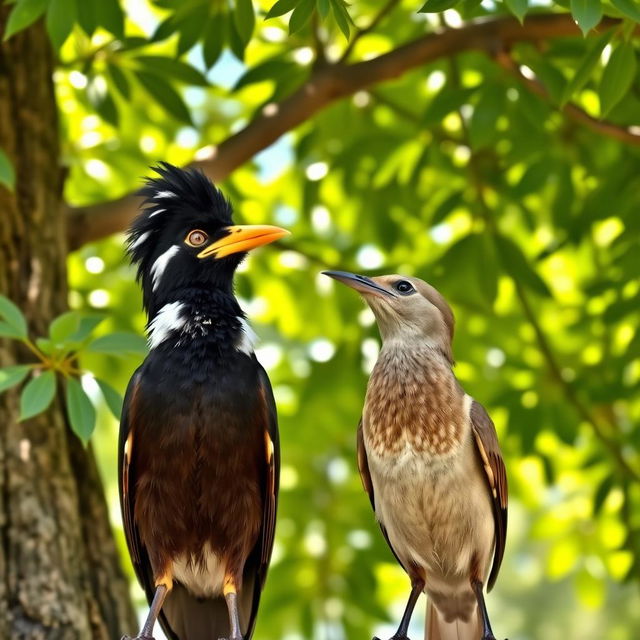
{"x": 413, "y": 398}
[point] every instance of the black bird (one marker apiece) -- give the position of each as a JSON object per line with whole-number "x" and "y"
{"x": 198, "y": 446}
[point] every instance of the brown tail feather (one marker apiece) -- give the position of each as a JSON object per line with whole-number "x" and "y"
{"x": 438, "y": 629}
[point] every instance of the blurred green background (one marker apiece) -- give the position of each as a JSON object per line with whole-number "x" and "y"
{"x": 467, "y": 172}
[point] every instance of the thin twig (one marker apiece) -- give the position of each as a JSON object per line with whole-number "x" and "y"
{"x": 375, "y": 21}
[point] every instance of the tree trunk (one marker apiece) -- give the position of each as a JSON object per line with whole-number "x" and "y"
{"x": 60, "y": 575}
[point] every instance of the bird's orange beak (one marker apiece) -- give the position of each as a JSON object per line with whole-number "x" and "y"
{"x": 242, "y": 238}
{"x": 361, "y": 284}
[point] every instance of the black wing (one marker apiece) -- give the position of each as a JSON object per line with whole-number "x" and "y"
{"x": 261, "y": 553}
{"x": 367, "y": 483}
{"x": 126, "y": 485}
{"x": 487, "y": 444}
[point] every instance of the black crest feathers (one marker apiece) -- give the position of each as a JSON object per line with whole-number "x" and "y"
{"x": 186, "y": 194}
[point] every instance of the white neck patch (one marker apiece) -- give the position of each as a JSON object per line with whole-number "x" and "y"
{"x": 247, "y": 338}
{"x": 161, "y": 264}
{"x": 168, "y": 319}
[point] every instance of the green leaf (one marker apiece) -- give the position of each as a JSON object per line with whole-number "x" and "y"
{"x": 444, "y": 102}
{"x": 46, "y": 346}
{"x": 191, "y": 28}
{"x": 436, "y": 6}
{"x": 628, "y": 8}
{"x": 61, "y": 15}
{"x": 64, "y": 326}
{"x": 37, "y": 395}
{"x": 7, "y": 331}
{"x": 24, "y": 13}
{"x": 280, "y": 8}
{"x": 109, "y": 15}
{"x": 602, "y": 493}
{"x": 482, "y": 126}
{"x": 13, "y": 316}
{"x": 301, "y": 15}
{"x": 87, "y": 17}
{"x": 586, "y": 67}
{"x": 81, "y": 412}
{"x": 111, "y": 397}
{"x": 119, "y": 80}
{"x": 7, "y": 174}
{"x": 245, "y": 19}
{"x": 272, "y": 69}
{"x": 323, "y": 7}
{"x": 617, "y": 77}
{"x": 518, "y": 8}
{"x": 173, "y": 68}
{"x": 342, "y": 17}
{"x": 165, "y": 95}
{"x": 87, "y": 325}
{"x": 517, "y": 266}
{"x": 103, "y": 102}
{"x": 587, "y": 14}
{"x": 119, "y": 343}
{"x": 450, "y": 203}
{"x": 459, "y": 265}
{"x": 235, "y": 43}
{"x": 214, "y": 39}
{"x": 11, "y": 376}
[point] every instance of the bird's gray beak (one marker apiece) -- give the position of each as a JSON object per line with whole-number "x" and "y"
{"x": 361, "y": 284}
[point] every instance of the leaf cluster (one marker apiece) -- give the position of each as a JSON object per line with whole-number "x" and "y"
{"x": 70, "y": 336}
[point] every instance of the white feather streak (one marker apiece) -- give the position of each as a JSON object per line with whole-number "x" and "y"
{"x": 247, "y": 338}
{"x": 168, "y": 319}
{"x": 161, "y": 264}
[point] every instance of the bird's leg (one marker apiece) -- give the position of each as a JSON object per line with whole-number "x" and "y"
{"x": 163, "y": 586}
{"x": 417, "y": 586}
{"x": 487, "y": 633}
{"x": 231, "y": 597}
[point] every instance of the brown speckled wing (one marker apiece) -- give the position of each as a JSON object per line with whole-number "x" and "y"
{"x": 365, "y": 476}
{"x": 487, "y": 443}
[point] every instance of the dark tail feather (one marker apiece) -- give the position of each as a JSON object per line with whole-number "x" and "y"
{"x": 187, "y": 618}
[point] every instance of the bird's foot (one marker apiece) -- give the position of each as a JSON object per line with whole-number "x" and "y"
{"x": 137, "y": 638}
{"x": 232, "y": 638}
{"x": 394, "y": 637}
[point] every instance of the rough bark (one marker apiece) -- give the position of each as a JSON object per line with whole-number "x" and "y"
{"x": 60, "y": 575}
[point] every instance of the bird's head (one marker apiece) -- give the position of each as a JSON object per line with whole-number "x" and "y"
{"x": 405, "y": 308}
{"x": 185, "y": 237}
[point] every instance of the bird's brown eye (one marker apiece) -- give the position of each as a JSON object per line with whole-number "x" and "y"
{"x": 404, "y": 287}
{"x": 196, "y": 238}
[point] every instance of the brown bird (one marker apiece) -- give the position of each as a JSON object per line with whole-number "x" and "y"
{"x": 429, "y": 459}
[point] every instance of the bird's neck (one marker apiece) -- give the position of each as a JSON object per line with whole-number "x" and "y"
{"x": 415, "y": 354}
{"x": 191, "y": 315}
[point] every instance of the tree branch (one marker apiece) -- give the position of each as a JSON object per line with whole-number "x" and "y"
{"x": 574, "y": 112}
{"x": 326, "y": 85}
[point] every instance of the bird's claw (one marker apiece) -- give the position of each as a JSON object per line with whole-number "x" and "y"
{"x": 125, "y": 637}
{"x": 395, "y": 637}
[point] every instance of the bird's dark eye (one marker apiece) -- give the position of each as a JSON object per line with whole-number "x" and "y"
{"x": 404, "y": 287}
{"x": 196, "y": 238}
